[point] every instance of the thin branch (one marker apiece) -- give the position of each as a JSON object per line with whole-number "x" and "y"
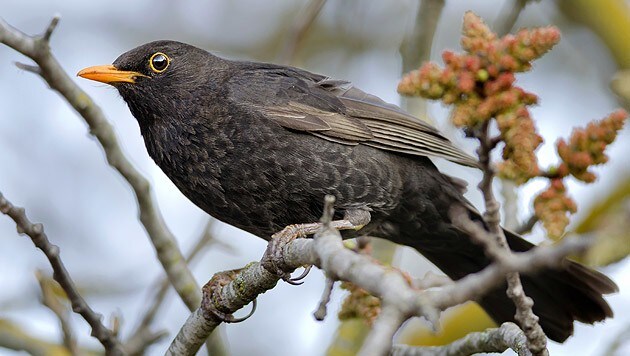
{"x": 142, "y": 337}
{"x": 528, "y": 225}
{"x": 508, "y": 336}
{"x": 29, "y": 68}
{"x": 509, "y": 192}
{"x": 476, "y": 284}
{"x": 51, "y": 302}
{"x": 203, "y": 242}
{"x": 168, "y": 253}
{"x": 321, "y": 311}
{"x": 416, "y": 48}
{"x": 51, "y": 27}
{"x": 300, "y": 26}
{"x": 509, "y": 15}
{"x": 500, "y": 251}
{"x": 191, "y": 335}
{"x": 36, "y": 48}
{"x": 13, "y": 337}
{"x": 379, "y": 339}
{"x": 61, "y": 275}
{"x": 229, "y": 291}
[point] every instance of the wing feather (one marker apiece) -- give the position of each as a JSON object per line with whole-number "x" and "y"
{"x": 336, "y": 111}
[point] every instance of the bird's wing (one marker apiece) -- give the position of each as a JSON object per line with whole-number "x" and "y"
{"x": 337, "y": 111}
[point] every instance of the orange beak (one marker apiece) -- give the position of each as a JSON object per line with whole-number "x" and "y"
{"x": 109, "y": 74}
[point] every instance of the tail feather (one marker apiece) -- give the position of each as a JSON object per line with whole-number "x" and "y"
{"x": 561, "y": 296}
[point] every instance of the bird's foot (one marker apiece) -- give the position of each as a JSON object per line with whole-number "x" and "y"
{"x": 212, "y": 297}
{"x": 273, "y": 260}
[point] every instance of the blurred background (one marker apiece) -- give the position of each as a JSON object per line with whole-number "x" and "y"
{"x": 51, "y": 166}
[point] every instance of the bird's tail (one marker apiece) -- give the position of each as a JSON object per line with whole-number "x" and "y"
{"x": 560, "y": 296}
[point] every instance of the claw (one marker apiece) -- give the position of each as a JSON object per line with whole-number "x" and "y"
{"x": 293, "y": 282}
{"x": 305, "y": 273}
{"x": 229, "y": 318}
{"x": 233, "y": 320}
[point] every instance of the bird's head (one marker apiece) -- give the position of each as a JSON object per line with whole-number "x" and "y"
{"x": 158, "y": 78}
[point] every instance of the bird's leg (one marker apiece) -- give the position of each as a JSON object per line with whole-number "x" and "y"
{"x": 353, "y": 219}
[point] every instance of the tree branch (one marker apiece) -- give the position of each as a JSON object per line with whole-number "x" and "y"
{"x": 509, "y": 15}
{"x": 51, "y": 302}
{"x": 416, "y": 48}
{"x": 527, "y": 225}
{"x": 37, "y": 48}
{"x": 497, "y": 248}
{"x": 229, "y": 291}
{"x": 322, "y": 308}
{"x": 61, "y": 275}
{"x": 300, "y": 26}
{"x": 13, "y": 337}
{"x": 142, "y": 336}
{"x": 508, "y": 336}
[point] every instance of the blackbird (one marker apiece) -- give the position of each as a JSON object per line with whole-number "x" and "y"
{"x": 259, "y": 145}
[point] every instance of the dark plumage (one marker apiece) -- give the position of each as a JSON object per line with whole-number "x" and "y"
{"x": 259, "y": 145}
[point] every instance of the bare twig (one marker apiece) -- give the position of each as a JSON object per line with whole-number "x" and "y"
{"x": 416, "y": 48}
{"x": 36, "y": 48}
{"x": 229, "y": 291}
{"x": 509, "y": 193}
{"x": 51, "y": 27}
{"x": 29, "y": 68}
{"x": 476, "y": 284}
{"x": 500, "y": 251}
{"x": 192, "y": 335}
{"x": 509, "y": 15}
{"x": 379, "y": 339}
{"x": 508, "y": 336}
{"x": 204, "y": 241}
{"x": 142, "y": 336}
{"x": 527, "y": 226}
{"x": 61, "y": 275}
{"x": 52, "y": 302}
{"x": 13, "y": 337}
{"x": 168, "y": 253}
{"x": 321, "y": 311}
{"x": 300, "y": 26}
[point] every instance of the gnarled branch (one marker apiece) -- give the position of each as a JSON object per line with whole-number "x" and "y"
{"x": 79, "y": 305}
{"x": 229, "y": 291}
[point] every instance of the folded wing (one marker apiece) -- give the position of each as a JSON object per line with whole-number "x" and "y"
{"x": 336, "y": 111}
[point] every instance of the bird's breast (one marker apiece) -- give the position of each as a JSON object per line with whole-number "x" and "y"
{"x": 261, "y": 177}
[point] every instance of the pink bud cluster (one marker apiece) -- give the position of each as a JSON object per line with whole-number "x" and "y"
{"x": 586, "y": 146}
{"x": 553, "y": 206}
{"x": 480, "y": 85}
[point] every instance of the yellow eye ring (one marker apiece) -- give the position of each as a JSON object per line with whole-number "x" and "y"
{"x": 159, "y": 62}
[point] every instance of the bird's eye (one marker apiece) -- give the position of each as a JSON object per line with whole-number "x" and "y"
{"x": 159, "y": 62}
